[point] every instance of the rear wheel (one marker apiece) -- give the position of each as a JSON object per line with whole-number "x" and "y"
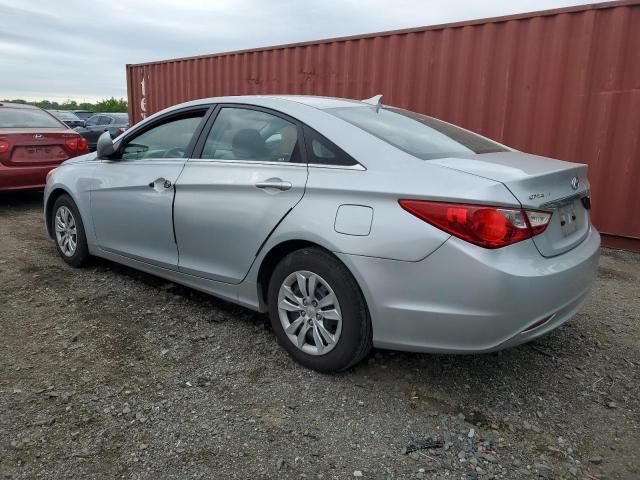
{"x": 318, "y": 312}
{"x": 68, "y": 230}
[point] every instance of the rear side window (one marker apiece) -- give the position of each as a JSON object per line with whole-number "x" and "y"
{"x": 120, "y": 120}
{"x": 421, "y": 136}
{"x": 252, "y": 135}
{"x": 322, "y": 151}
{"x": 26, "y": 118}
{"x": 167, "y": 140}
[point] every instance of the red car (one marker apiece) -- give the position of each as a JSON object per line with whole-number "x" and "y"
{"x": 32, "y": 142}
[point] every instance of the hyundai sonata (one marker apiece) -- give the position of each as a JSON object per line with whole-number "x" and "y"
{"x": 352, "y": 223}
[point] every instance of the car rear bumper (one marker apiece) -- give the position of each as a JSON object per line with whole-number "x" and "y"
{"x": 23, "y": 178}
{"x": 466, "y": 299}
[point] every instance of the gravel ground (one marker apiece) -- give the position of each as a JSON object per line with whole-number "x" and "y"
{"x": 106, "y": 372}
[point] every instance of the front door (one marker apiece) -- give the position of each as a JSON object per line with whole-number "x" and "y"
{"x": 250, "y": 174}
{"x": 131, "y": 207}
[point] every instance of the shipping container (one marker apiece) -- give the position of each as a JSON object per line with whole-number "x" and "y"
{"x": 562, "y": 83}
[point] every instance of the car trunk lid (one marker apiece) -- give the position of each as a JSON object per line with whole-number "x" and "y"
{"x": 35, "y": 146}
{"x": 538, "y": 183}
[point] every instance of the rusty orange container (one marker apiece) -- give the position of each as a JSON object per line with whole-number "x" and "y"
{"x": 562, "y": 83}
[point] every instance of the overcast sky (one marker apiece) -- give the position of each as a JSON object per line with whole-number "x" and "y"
{"x": 72, "y": 49}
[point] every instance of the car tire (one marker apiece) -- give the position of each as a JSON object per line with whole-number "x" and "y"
{"x": 352, "y": 332}
{"x": 68, "y": 231}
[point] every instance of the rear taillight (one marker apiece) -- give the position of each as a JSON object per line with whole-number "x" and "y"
{"x": 76, "y": 144}
{"x": 4, "y": 146}
{"x": 71, "y": 144}
{"x": 483, "y": 225}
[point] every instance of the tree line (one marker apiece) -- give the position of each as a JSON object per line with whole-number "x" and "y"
{"x": 105, "y": 105}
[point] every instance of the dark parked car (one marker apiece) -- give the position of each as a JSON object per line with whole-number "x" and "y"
{"x": 33, "y": 142}
{"x": 114, "y": 123}
{"x": 83, "y": 114}
{"x": 68, "y": 117}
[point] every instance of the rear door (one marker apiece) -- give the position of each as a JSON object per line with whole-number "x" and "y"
{"x": 131, "y": 206}
{"x": 250, "y": 173}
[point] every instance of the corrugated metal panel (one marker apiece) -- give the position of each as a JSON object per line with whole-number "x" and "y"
{"x": 561, "y": 83}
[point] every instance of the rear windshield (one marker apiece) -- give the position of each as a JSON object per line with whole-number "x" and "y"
{"x": 421, "y": 136}
{"x": 26, "y": 118}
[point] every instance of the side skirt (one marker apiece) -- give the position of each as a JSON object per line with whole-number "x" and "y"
{"x": 225, "y": 291}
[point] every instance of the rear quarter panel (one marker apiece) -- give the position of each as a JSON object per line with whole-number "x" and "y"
{"x": 395, "y": 234}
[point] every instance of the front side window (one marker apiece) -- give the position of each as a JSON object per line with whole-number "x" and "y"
{"x": 243, "y": 134}
{"x": 421, "y": 136}
{"x": 167, "y": 140}
{"x": 26, "y": 118}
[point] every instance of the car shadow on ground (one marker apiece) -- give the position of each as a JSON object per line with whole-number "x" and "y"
{"x": 532, "y": 360}
{"x": 21, "y": 201}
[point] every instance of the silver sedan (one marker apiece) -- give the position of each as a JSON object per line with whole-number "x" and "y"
{"x": 352, "y": 223}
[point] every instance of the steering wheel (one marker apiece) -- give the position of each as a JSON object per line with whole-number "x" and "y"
{"x": 176, "y": 152}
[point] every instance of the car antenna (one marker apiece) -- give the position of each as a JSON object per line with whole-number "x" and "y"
{"x": 375, "y": 101}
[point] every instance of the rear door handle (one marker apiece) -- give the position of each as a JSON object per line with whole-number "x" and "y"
{"x": 276, "y": 183}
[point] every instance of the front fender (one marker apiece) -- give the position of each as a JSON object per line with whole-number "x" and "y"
{"x": 75, "y": 180}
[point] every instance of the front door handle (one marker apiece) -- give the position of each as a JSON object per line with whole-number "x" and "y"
{"x": 276, "y": 183}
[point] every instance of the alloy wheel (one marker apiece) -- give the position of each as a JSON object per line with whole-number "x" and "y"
{"x": 309, "y": 312}
{"x": 66, "y": 231}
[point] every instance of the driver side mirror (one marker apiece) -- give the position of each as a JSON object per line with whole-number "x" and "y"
{"x": 105, "y": 147}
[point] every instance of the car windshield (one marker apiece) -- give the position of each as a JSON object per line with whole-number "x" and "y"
{"x": 421, "y": 136}
{"x": 26, "y": 118}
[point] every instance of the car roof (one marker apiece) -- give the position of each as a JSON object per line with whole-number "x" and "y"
{"x": 314, "y": 101}
{"x": 317, "y": 101}
{"x": 18, "y": 105}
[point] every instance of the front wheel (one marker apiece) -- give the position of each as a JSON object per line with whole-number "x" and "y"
{"x": 318, "y": 312}
{"x": 68, "y": 230}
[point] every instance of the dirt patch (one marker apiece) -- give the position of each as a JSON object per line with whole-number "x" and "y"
{"x": 107, "y": 372}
